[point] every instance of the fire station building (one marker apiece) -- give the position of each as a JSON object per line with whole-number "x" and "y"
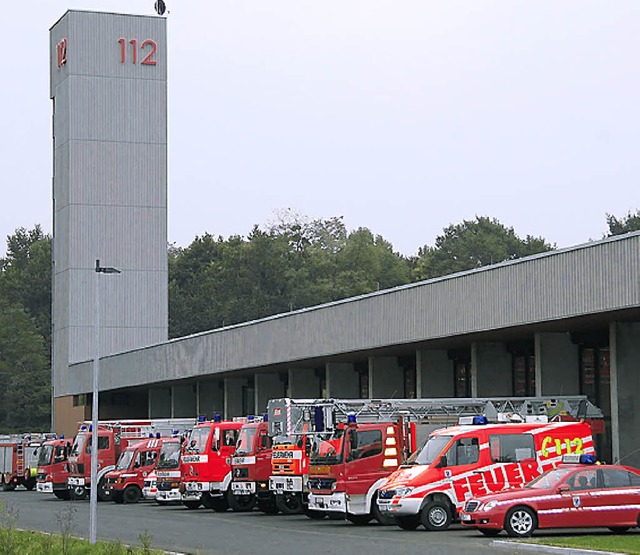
{"x": 559, "y": 323}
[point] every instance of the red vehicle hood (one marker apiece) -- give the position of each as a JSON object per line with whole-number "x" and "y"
{"x": 407, "y": 476}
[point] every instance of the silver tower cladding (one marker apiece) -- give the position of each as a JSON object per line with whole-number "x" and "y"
{"x": 109, "y": 91}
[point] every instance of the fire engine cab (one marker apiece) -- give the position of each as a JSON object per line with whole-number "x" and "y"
{"x": 479, "y": 457}
{"x": 53, "y": 468}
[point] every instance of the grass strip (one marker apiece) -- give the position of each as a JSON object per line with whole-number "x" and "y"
{"x": 613, "y": 543}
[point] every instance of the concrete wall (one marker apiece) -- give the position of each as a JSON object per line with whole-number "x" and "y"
{"x": 386, "y": 378}
{"x": 491, "y": 370}
{"x": 624, "y": 339}
{"x": 184, "y": 403}
{"x": 557, "y": 364}
{"x": 160, "y": 402}
{"x": 267, "y": 386}
{"x": 342, "y": 381}
{"x": 435, "y": 374}
{"x": 210, "y": 398}
{"x": 303, "y": 383}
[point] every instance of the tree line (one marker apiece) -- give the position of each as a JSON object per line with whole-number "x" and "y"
{"x": 291, "y": 263}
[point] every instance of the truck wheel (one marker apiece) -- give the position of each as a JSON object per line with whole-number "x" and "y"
{"x": 436, "y": 516}
{"x": 132, "y": 494}
{"x": 268, "y": 506}
{"x": 103, "y": 493}
{"x": 162, "y": 503}
{"x": 78, "y": 493}
{"x": 221, "y": 504}
{"x": 520, "y": 522}
{"x": 241, "y": 503}
{"x": 192, "y": 505}
{"x": 30, "y": 484}
{"x": 409, "y": 523}
{"x": 359, "y": 520}
{"x": 64, "y": 495}
{"x": 207, "y": 500}
{"x": 382, "y": 519}
{"x": 289, "y": 503}
{"x": 117, "y": 497}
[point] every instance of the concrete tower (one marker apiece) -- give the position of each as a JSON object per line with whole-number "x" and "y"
{"x": 109, "y": 91}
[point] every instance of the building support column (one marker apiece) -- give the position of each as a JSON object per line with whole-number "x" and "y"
{"x": 304, "y": 383}
{"x": 624, "y": 338}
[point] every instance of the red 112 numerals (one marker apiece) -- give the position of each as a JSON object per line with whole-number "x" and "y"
{"x": 148, "y": 59}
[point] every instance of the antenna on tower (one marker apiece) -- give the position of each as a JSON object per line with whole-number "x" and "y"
{"x": 160, "y": 7}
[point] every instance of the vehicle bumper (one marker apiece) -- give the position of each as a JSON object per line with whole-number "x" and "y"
{"x": 44, "y": 487}
{"x": 212, "y": 487}
{"x": 149, "y": 493}
{"x": 243, "y": 488}
{"x": 74, "y": 482}
{"x": 336, "y": 501}
{"x": 285, "y": 484}
{"x": 480, "y": 520}
{"x": 400, "y": 507}
{"x": 191, "y": 496}
{"x": 171, "y": 495}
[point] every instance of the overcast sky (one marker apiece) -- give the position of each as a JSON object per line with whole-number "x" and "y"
{"x": 403, "y": 116}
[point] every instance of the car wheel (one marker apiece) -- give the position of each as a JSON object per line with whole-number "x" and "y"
{"x": 619, "y": 529}
{"x": 489, "y": 532}
{"x": 132, "y": 494}
{"x": 436, "y": 516}
{"x": 520, "y": 522}
{"x": 409, "y": 523}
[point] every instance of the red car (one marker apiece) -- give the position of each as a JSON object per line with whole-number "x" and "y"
{"x": 570, "y": 496}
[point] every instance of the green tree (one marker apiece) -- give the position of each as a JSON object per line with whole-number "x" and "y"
{"x": 25, "y": 277}
{"x": 24, "y": 373}
{"x": 473, "y": 244}
{"x": 630, "y": 222}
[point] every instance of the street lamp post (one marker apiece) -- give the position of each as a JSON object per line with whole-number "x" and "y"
{"x": 93, "y": 498}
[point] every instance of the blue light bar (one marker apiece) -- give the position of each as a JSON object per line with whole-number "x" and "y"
{"x": 217, "y": 417}
{"x": 480, "y": 420}
{"x": 201, "y": 418}
{"x": 265, "y": 417}
{"x": 351, "y": 418}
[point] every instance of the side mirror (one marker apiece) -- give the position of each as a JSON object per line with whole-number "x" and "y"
{"x": 442, "y": 462}
{"x": 563, "y": 488}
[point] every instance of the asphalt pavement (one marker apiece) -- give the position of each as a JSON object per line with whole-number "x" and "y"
{"x": 203, "y": 531}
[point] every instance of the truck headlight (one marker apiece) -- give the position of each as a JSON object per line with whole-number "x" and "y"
{"x": 403, "y": 491}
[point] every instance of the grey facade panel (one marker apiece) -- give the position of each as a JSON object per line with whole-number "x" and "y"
{"x": 110, "y": 185}
{"x": 597, "y": 277}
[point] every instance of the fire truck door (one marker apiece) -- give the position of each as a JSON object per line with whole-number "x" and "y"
{"x": 364, "y": 454}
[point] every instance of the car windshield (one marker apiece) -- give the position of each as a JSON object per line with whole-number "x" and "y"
{"x": 549, "y": 479}
{"x": 245, "y": 441}
{"x": 169, "y": 455}
{"x": 328, "y": 451}
{"x": 125, "y": 459}
{"x": 44, "y": 456}
{"x": 78, "y": 444}
{"x": 198, "y": 440}
{"x": 430, "y": 450}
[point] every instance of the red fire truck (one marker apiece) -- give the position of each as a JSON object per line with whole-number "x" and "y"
{"x": 113, "y": 438}
{"x": 53, "y": 468}
{"x": 205, "y": 465}
{"x": 126, "y": 482}
{"x": 373, "y": 438}
{"x": 19, "y": 459}
{"x": 168, "y": 473}
{"x": 251, "y": 468}
{"x": 292, "y": 428}
{"x": 478, "y": 458}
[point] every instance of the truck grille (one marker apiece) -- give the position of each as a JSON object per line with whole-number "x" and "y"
{"x": 471, "y": 506}
{"x": 386, "y": 494}
{"x": 321, "y": 483}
